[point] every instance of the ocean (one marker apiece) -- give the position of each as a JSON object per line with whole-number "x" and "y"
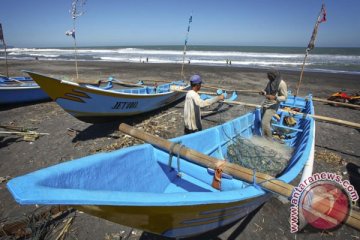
{"x": 336, "y": 60}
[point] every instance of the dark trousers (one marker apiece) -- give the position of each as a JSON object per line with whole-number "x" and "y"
{"x": 188, "y": 131}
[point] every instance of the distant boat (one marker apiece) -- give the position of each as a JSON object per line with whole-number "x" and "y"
{"x": 90, "y": 103}
{"x": 17, "y": 90}
{"x": 4, "y": 79}
{"x": 140, "y": 187}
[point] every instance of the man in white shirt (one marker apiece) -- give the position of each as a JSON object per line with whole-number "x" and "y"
{"x": 274, "y": 92}
{"x": 193, "y": 103}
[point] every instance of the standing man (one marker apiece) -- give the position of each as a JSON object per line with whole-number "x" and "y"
{"x": 193, "y": 103}
{"x": 275, "y": 92}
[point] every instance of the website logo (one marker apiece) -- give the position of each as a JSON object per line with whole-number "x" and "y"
{"x": 323, "y": 200}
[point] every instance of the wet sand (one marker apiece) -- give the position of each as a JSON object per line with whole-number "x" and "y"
{"x": 271, "y": 221}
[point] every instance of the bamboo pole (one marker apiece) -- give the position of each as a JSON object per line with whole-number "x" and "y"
{"x": 326, "y": 119}
{"x": 24, "y": 133}
{"x": 265, "y": 181}
{"x": 215, "y": 87}
{"x": 301, "y": 75}
{"x": 237, "y": 90}
{"x": 317, "y": 117}
{"x": 338, "y": 103}
{"x": 199, "y": 92}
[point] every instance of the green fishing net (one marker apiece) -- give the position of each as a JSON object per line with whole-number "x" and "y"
{"x": 259, "y": 154}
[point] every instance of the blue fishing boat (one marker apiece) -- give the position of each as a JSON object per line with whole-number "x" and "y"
{"x": 142, "y": 187}
{"x": 90, "y": 104}
{"x": 16, "y": 90}
{"x": 4, "y": 79}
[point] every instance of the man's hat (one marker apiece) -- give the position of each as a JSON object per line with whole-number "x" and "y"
{"x": 195, "y": 79}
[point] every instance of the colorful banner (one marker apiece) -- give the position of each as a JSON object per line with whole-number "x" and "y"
{"x": 2, "y": 35}
{"x": 321, "y": 18}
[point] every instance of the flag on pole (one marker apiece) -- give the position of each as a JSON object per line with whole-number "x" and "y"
{"x": 185, "y": 45}
{"x": 2, "y": 35}
{"x": 187, "y": 34}
{"x": 321, "y": 18}
{"x": 70, "y": 33}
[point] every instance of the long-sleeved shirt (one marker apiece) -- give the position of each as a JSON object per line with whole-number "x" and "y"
{"x": 192, "y": 114}
{"x": 281, "y": 96}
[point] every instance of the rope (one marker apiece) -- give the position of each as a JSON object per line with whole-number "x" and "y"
{"x": 178, "y": 160}
{"x": 171, "y": 154}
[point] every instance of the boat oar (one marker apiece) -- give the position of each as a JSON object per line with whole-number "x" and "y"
{"x": 237, "y": 90}
{"x": 338, "y": 103}
{"x": 316, "y": 117}
{"x": 265, "y": 181}
{"x": 216, "y": 88}
{"x": 176, "y": 89}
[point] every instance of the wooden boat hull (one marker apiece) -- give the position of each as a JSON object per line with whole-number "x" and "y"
{"x": 177, "y": 221}
{"x": 85, "y": 102}
{"x": 142, "y": 187}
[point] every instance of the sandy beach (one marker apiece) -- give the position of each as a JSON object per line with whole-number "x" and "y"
{"x": 71, "y": 139}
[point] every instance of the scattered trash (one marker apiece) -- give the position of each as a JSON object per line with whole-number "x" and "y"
{"x": 329, "y": 157}
{"x": 4, "y": 179}
{"x": 72, "y": 132}
{"x": 28, "y": 134}
{"x": 153, "y": 126}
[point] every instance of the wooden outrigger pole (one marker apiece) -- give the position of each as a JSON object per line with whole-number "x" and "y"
{"x": 185, "y": 45}
{"x": 4, "y": 44}
{"x": 321, "y": 18}
{"x": 76, "y": 4}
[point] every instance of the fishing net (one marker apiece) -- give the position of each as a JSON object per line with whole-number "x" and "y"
{"x": 259, "y": 154}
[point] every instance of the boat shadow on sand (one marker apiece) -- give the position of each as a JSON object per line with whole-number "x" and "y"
{"x": 6, "y": 107}
{"x": 8, "y": 140}
{"x": 105, "y": 127}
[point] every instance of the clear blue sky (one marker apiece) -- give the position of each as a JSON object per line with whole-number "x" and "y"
{"x": 42, "y": 23}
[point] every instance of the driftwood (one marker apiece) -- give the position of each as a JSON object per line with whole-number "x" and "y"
{"x": 19, "y": 227}
{"x": 29, "y": 136}
{"x": 265, "y": 181}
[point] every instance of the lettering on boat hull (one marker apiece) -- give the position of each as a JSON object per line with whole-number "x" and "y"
{"x": 125, "y": 105}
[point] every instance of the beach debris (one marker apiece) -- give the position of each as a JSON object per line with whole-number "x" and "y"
{"x": 17, "y": 128}
{"x": 4, "y": 179}
{"x": 36, "y": 225}
{"x": 329, "y": 157}
{"x": 72, "y": 132}
{"x": 66, "y": 228}
{"x": 29, "y": 136}
{"x": 154, "y": 126}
